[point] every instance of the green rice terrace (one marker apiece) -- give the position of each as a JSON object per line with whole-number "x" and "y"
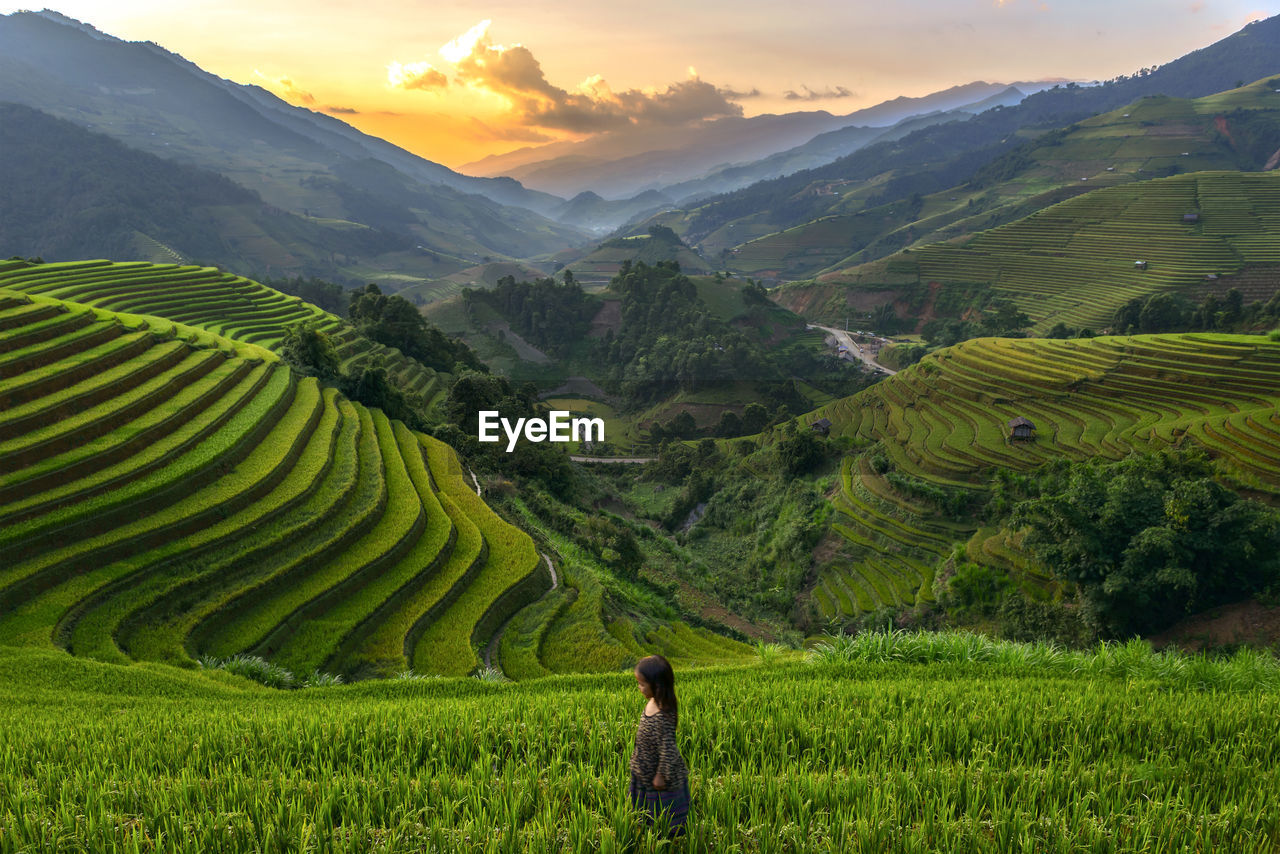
{"x": 219, "y": 302}
{"x": 944, "y": 422}
{"x": 1078, "y": 261}
{"x": 876, "y": 743}
{"x": 170, "y": 490}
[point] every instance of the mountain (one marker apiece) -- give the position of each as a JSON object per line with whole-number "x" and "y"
{"x": 824, "y": 148}
{"x": 599, "y": 265}
{"x": 944, "y": 155}
{"x": 589, "y": 211}
{"x": 1155, "y": 136}
{"x": 73, "y": 194}
{"x": 296, "y": 159}
{"x": 622, "y": 164}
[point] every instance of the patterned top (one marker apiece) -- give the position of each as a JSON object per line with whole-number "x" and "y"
{"x": 656, "y": 750}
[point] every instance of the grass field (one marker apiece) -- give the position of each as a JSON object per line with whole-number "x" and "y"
{"x": 979, "y": 748}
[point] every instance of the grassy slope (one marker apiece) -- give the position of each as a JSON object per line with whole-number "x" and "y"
{"x": 204, "y": 297}
{"x": 856, "y": 757}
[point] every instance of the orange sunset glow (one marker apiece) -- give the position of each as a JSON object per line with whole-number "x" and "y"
{"x": 457, "y": 82}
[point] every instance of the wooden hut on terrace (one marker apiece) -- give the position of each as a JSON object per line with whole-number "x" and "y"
{"x": 1021, "y": 429}
{"x": 822, "y": 425}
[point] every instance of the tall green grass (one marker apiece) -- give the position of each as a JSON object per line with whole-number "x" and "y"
{"x": 830, "y": 756}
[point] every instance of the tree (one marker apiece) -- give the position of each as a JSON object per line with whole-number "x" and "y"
{"x": 799, "y": 451}
{"x": 1152, "y": 538}
{"x": 310, "y": 351}
{"x": 1161, "y": 313}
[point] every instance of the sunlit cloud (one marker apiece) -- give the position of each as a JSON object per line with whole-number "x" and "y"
{"x": 415, "y": 75}
{"x": 807, "y": 94}
{"x": 515, "y": 74}
{"x": 288, "y": 88}
{"x": 464, "y": 45}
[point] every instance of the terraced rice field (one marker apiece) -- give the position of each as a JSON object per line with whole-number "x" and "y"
{"x": 1073, "y": 262}
{"x": 168, "y": 492}
{"x": 943, "y": 422}
{"x": 205, "y": 297}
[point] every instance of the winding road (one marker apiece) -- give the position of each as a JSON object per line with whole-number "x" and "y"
{"x": 855, "y": 349}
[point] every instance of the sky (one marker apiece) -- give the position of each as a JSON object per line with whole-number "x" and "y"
{"x": 456, "y": 80}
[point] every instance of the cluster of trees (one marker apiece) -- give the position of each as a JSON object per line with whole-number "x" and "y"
{"x": 552, "y": 316}
{"x": 310, "y": 352}
{"x": 1136, "y": 544}
{"x": 333, "y": 298}
{"x": 1170, "y": 312}
{"x": 999, "y": 317}
{"x": 473, "y": 391}
{"x": 1149, "y": 539}
{"x": 395, "y": 322}
{"x": 669, "y": 341}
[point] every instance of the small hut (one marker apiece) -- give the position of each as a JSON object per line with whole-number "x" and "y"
{"x": 822, "y": 425}
{"x": 1022, "y": 430}
{"x": 1140, "y": 265}
{"x": 1191, "y": 217}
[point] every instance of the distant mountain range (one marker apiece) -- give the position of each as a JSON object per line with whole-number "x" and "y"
{"x": 621, "y": 164}
{"x": 803, "y": 214}
{"x": 777, "y": 196}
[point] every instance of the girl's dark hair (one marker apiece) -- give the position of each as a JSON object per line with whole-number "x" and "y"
{"x": 657, "y": 671}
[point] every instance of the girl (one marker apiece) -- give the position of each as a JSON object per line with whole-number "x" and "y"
{"x": 659, "y": 778}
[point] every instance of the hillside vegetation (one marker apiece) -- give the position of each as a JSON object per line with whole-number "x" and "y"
{"x": 987, "y": 749}
{"x": 1075, "y": 262}
{"x": 927, "y": 441}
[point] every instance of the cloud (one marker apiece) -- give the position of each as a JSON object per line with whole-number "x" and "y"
{"x": 736, "y": 95}
{"x": 415, "y": 75}
{"x": 464, "y": 45}
{"x": 812, "y": 95}
{"x": 514, "y": 73}
{"x": 290, "y": 90}
{"x": 345, "y": 111}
